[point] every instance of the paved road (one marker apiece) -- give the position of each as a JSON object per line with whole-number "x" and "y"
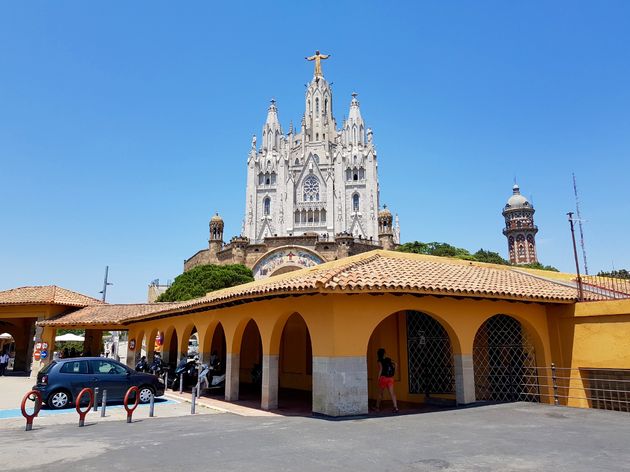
{"x": 517, "y": 437}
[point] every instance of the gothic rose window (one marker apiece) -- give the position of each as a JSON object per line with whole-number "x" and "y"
{"x": 311, "y": 189}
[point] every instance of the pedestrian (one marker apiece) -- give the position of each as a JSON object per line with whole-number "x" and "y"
{"x": 386, "y": 371}
{"x": 73, "y": 352}
{"x": 4, "y": 362}
{"x": 66, "y": 353}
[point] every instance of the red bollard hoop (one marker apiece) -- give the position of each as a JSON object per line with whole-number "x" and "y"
{"x": 78, "y": 404}
{"x": 126, "y": 402}
{"x": 37, "y": 398}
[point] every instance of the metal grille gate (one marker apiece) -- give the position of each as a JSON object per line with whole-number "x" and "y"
{"x": 429, "y": 354}
{"x": 504, "y": 362}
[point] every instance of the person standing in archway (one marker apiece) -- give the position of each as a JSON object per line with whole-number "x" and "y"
{"x": 386, "y": 371}
{"x": 4, "y": 362}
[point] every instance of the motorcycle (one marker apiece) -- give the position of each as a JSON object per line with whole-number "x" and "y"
{"x": 158, "y": 366}
{"x": 210, "y": 376}
{"x": 186, "y": 368}
{"x": 142, "y": 365}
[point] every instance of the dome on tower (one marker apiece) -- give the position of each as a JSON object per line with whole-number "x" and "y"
{"x": 517, "y": 200}
{"x": 216, "y": 218}
{"x": 385, "y": 213}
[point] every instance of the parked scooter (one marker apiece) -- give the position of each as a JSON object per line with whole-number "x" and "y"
{"x": 210, "y": 376}
{"x": 158, "y": 367}
{"x": 186, "y": 368}
{"x": 142, "y": 365}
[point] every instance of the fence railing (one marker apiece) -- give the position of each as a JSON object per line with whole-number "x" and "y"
{"x": 585, "y": 387}
{"x": 606, "y": 287}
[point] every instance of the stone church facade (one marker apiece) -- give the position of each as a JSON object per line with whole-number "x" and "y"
{"x": 312, "y": 194}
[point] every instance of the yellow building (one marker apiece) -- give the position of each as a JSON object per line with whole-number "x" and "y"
{"x": 459, "y": 332}
{"x": 21, "y": 308}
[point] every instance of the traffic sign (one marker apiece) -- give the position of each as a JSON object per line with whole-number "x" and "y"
{"x": 43, "y": 354}
{"x": 37, "y": 355}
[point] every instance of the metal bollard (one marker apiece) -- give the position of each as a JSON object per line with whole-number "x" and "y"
{"x": 95, "y": 399}
{"x": 165, "y": 380}
{"x": 104, "y": 404}
{"x": 181, "y": 383}
{"x": 194, "y": 398}
{"x": 152, "y": 406}
{"x": 555, "y": 384}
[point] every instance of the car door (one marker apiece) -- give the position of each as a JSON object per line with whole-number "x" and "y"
{"x": 75, "y": 376}
{"x": 110, "y": 376}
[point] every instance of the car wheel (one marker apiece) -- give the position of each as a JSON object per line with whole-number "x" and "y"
{"x": 59, "y": 399}
{"x": 145, "y": 394}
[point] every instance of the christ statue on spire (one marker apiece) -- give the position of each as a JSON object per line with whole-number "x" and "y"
{"x": 318, "y": 65}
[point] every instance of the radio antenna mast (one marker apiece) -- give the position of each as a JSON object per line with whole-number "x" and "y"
{"x": 579, "y": 219}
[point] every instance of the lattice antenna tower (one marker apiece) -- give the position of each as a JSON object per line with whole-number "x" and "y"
{"x": 579, "y": 218}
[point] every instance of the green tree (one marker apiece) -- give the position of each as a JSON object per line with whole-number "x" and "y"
{"x": 538, "y": 265}
{"x": 489, "y": 256}
{"x": 446, "y": 250}
{"x": 205, "y": 278}
{"x": 617, "y": 274}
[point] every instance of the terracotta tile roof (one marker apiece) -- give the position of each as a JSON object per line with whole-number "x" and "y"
{"x": 106, "y": 315}
{"x": 45, "y": 295}
{"x": 382, "y": 271}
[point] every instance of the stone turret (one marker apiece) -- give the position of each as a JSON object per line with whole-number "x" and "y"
{"x": 520, "y": 229}
{"x": 386, "y": 229}
{"x": 216, "y": 237}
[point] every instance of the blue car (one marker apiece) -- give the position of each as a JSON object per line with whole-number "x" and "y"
{"x": 61, "y": 381}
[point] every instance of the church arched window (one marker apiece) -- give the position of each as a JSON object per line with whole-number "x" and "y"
{"x": 297, "y": 161}
{"x": 356, "y": 201}
{"x": 273, "y": 178}
{"x": 361, "y": 173}
{"x": 297, "y": 217}
{"x": 311, "y": 189}
{"x": 317, "y": 106}
{"x": 348, "y": 174}
{"x": 261, "y": 178}
{"x": 267, "y": 206}
{"x": 355, "y": 174}
{"x": 521, "y": 250}
{"x": 325, "y": 106}
{"x": 267, "y": 179}
{"x": 322, "y": 216}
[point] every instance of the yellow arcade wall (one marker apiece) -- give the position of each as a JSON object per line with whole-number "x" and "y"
{"x": 589, "y": 335}
{"x": 339, "y": 325}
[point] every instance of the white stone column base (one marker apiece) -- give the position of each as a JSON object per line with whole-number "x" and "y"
{"x": 340, "y": 386}
{"x": 232, "y": 371}
{"x": 464, "y": 379}
{"x": 269, "y": 399}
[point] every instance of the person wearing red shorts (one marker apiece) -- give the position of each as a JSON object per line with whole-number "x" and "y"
{"x": 386, "y": 370}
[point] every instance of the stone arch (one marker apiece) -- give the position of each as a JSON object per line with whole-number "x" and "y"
{"x": 247, "y": 342}
{"x": 285, "y": 256}
{"x": 137, "y": 353}
{"x": 295, "y": 362}
{"x": 504, "y": 360}
{"x": 170, "y": 346}
{"x": 187, "y": 333}
{"x": 423, "y": 345}
{"x": 214, "y": 339}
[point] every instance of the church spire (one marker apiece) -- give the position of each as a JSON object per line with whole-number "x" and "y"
{"x": 354, "y": 127}
{"x": 272, "y": 131}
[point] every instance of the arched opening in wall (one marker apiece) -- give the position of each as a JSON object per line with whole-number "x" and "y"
{"x": 193, "y": 343}
{"x": 214, "y": 356}
{"x": 504, "y": 362}
{"x": 250, "y": 374}
{"x": 356, "y": 202}
{"x": 7, "y": 347}
{"x": 139, "y": 348}
{"x": 71, "y": 343}
{"x": 295, "y": 366}
{"x": 421, "y": 348}
{"x": 173, "y": 350}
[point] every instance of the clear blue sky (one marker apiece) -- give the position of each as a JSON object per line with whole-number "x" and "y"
{"x": 125, "y": 125}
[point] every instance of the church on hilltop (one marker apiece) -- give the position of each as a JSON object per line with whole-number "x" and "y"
{"x": 312, "y": 194}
